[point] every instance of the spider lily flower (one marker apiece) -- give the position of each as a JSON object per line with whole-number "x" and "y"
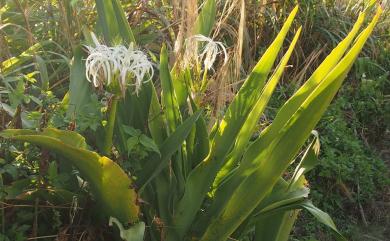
{"x": 136, "y": 64}
{"x": 126, "y": 66}
{"x": 100, "y": 64}
{"x": 209, "y": 51}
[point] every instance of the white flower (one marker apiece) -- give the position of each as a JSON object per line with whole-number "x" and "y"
{"x": 135, "y": 63}
{"x": 127, "y": 65}
{"x": 209, "y": 51}
{"x": 100, "y": 65}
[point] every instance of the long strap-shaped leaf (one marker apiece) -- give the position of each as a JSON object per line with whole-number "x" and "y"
{"x": 123, "y": 25}
{"x": 112, "y": 21}
{"x": 264, "y": 218}
{"x": 288, "y": 109}
{"x": 167, "y": 149}
{"x": 282, "y": 194}
{"x": 222, "y": 195}
{"x": 110, "y": 184}
{"x": 284, "y": 147}
{"x": 173, "y": 118}
{"x": 248, "y": 94}
{"x": 249, "y": 127}
{"x": 79, "y": 88}
{"x": 201, "y": 178}
{"x": 277, "y": 227}
{"x": 11, "y": 64}
{"x": 206, "y": 18}
{"x": 156, "y": 119}
{"x": 106, "y": 20}
{"x": 281, "y": 201}
{"x": 169, "y": 99}
{"x": 315, "y": 79}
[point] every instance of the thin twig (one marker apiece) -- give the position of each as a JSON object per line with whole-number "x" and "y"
{"x": 35, "y": 224}
{"x": 8, "y": 205}
{"x": 47, "y": 236}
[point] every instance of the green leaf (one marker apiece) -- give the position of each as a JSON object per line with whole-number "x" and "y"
{"x": 293, "y": 103}
{"x": 179, "y": 82}
{"x": 17, "y": 188}
{"x": 282, "y": 196}
{"x": 205, "y": 21}
{"x": 134, "y": 233}
{"x": 11, "y": 112}
{"x": 52, "y": 170}
{"x": 283, "y": 148}
{"x": 286, "y": 111}
{"x": 308, "y": 161}
{"x": 107, "y": 20}
{"x": 113, "y": 23}
{"x": 276, "y": 227}
{"x": 131, "y": 143}
{"x": 43, "y": 72}
{"x": 250, "y": 124}
{"x": 149, "y": 143}
{"x": 79, "y": 88}
{"x": 277, "y": 222}
{"x": 322, "y": 217}
{"x": 201, "y": 145}
{"x": 11, "y": 64}
{"x": 110, "y": 184}
{"x": 131, "y": 131}
{"x": 201, "y": 178}
{"x": 155, "y": 120}
{"x": 167, "y": 149}
{"x": 123, "y": 25}
{"x": 133, "y": 111}
{"x": 168, "y": 95}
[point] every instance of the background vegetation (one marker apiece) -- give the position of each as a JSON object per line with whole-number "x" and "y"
{"x": 38, "y": 40}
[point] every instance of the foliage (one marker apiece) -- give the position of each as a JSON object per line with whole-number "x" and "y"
{"x": 161, "y": 158}
{"x": 353, "y": 176}
{"x": 358, "y": 122}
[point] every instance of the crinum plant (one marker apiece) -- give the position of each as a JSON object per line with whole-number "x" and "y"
{"x": 207, "y": 185}
{"x": 116, "y": 68}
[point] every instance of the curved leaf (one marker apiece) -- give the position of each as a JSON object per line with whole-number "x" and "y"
{"x": 110, "y": 184}
{"x": 134, "y": 233}
{"x": 202, "y": 176}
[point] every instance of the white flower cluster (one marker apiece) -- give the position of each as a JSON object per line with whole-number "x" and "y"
{"x": 128, "y": 65}
{"x": 208, "y": 53}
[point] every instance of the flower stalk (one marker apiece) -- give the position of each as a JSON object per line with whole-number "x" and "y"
{"x": 109, "y": 129}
